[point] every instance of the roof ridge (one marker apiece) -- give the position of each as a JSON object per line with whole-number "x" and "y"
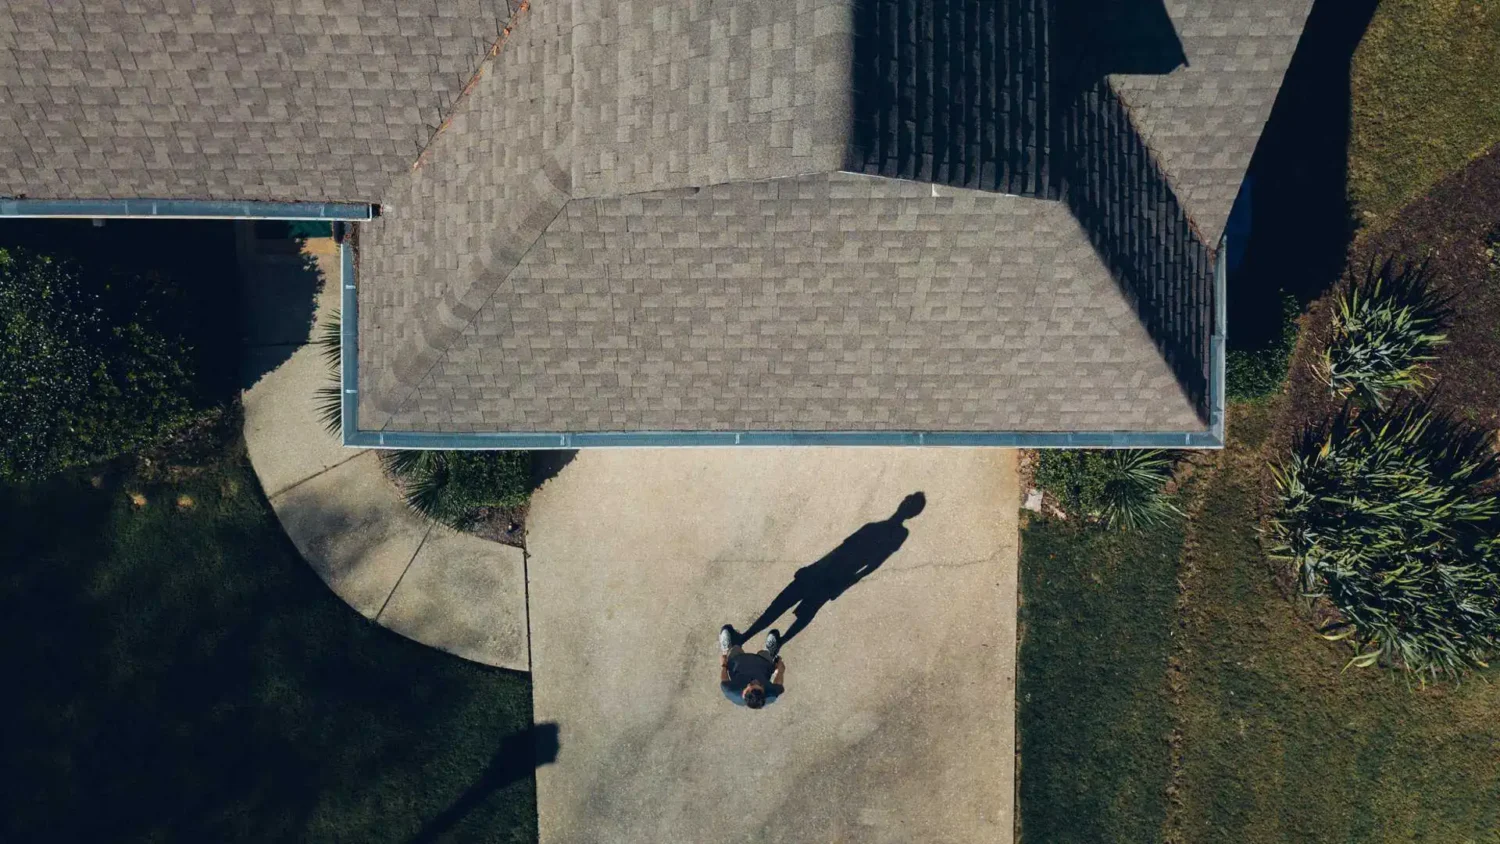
{"x": 448, "y": 347}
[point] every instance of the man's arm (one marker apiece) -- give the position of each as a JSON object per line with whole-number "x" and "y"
{"x": 778, "y": 672}
{"x": 723, "y": 668}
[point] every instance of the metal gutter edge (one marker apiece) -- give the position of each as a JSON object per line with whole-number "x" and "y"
{"x": 348, "y": 345}
{"x": 1216, "y": 368}
{"x": 193, "y": 209}
{"x": 1211, "y": 438}
{"x": 751, "y": 439}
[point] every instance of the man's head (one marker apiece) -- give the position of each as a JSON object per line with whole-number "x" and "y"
{"x": 754, "y": 695}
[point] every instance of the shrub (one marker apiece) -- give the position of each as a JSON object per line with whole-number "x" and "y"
{"x": 451, "y": 486}
{"x": 85, "y": 373}
{"x": 1253, "y": 374}
{"x": 1122, "y": 489}
{"x": 330, "y": 397}
{"x": 1385, "y": 329}
{"x": 1391, "y": 517}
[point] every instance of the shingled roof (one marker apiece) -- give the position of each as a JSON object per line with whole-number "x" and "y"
{"x": 284, "y": 100}
{"x": 682, "y": 215}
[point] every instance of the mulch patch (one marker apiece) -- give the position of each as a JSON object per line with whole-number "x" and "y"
{"x": 1449, "y": 228}
{"x": 505, "y": 525}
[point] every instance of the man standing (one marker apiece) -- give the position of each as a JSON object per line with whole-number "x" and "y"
{"x": 751, "y": 680}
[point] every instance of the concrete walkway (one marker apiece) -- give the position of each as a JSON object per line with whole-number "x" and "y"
{"x": 452, "y": 591}
{"x": 898, "y": 720}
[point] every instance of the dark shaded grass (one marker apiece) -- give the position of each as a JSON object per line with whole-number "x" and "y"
{"x": 182, "y": 675}
{"x": 1093, "y": 709}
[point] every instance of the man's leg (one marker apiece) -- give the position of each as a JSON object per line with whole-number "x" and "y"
{"x": 783, "y": 602}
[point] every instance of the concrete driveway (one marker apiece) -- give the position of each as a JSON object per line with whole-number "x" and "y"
{"x": 898, "y": 720}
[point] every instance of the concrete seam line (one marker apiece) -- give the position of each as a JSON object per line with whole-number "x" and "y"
{"x": 526, "y": 603}
{"x": 397, "y": 584}
{"x": 280, "y": 492}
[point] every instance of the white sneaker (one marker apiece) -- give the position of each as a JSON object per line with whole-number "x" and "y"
{"x": 773, "y": 642}
{"x": 726, "y": 638}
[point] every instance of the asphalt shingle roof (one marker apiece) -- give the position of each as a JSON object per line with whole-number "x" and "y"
{"x": 289, "y": 100}
{"x": 1203, "y": 119}
{"x": 825, "y": 302}
{"x": 632, "y": 219}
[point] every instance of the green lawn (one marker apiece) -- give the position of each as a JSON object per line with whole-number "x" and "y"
{"x": 1279, "y": 744}
{"x": 1092, "y": 704}
{"x": 179, "y": 674}
{"x": 1425, "y": 92}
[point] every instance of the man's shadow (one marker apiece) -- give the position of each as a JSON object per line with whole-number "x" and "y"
{"x": 818, "y": 583}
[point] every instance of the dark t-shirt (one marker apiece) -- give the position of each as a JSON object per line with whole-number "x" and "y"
{"x": 743, "y": 670}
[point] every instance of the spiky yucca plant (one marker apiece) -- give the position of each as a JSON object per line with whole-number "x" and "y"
{"x": 1391, "y": 516}
{"x": 1122, "y": 488}
{"x": 1132, "y": 497}
{"x": 1385, "y": 330}
{"x": 330, "y": 397}
{"x": 451, "y": 486}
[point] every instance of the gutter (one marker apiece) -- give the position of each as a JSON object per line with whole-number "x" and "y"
{"x": 353, "y": 437}
{"x": 185, "y": 209}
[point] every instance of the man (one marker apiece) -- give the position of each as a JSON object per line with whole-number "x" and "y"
{"x": 752, "y": 680}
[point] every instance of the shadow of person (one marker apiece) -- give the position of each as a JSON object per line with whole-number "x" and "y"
{"x": 818, "y": 583}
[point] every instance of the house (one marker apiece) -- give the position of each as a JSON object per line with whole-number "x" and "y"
{"x": 698, "y": 222}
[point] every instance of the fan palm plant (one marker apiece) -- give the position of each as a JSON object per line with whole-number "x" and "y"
{"x": 1385, "y": 330}
{"x": 453, "y": 486}
{"x": 1123, "y": 488}
{"x": 1392, "y": 518}
{"x": 330, "y": 398}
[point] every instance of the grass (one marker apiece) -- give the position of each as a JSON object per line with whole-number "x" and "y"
{"x": 1425, "y": 96}
{"x": 1093, "y": 710}
{"x": 1278, "y": 743}
{"x": 175, "y": 672}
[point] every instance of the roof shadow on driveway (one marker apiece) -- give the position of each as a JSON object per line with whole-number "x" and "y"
{"x": 817, "y": 583}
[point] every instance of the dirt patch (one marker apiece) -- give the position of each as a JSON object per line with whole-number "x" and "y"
{"x": 505, "y": 525}
{"x": 1450, "y": 228}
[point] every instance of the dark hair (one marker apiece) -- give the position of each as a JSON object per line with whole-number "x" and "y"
{"x": 755, "y": 697}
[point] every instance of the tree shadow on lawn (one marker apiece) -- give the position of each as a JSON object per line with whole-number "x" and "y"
{"x": 181, "y": 674}
{"x": 519, "y": 756}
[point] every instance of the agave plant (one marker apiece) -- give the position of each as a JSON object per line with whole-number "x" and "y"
{"x": 1385, "y": 330}
{"x": 1132, "y": 496}
{"x": 452, "y": 486}
{"x": 1391, "y": 517}
{"x": 330, "y": 399}
{"x": 1121, "y": 488}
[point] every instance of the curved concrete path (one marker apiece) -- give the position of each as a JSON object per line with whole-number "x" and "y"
{"x": 446, "y": 589}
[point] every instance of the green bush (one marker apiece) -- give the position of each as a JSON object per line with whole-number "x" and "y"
{"x": 1392, "y": 517}
{"x": 1253, "y": 374}
{"x": 1121, "y": 489}
{"x": 85, "y": 373}
{"x": 330, "y": 396}
{"x": 1385, "y": 329}
{"x": 451, "y": 486}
